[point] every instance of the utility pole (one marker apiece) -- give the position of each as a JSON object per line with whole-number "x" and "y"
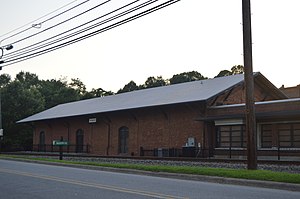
{"x": 7, "y": 47}
{"x": 1, "y": 129}
{"x": 249, "y": 87}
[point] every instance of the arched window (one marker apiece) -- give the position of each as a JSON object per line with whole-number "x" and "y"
{"x": 42, "y": 144}
{"x": 123, "y": 140}
{"x": 79, "y": 141}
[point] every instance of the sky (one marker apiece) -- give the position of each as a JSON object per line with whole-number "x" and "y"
{"x": 200, "y": 35}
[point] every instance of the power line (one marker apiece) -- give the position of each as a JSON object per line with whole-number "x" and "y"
{"x": 95, "y": 32}
{"x": 129, "y": 19}
{"x": 86, "y": 11}
{"x": 87, "y": 28}
{"x": 65, "y": 11}
{"x": 40, "y": 23}
{"x": 13, "y": 54}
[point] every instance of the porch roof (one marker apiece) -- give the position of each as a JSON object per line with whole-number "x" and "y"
{"x": 288, "y": 112}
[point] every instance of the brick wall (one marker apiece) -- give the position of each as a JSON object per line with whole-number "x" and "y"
{"x": 291, "y": 92}
{"x": 157, "y": 127}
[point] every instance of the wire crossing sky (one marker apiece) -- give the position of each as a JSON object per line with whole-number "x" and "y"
{"x": 37, "y": 25}
{"x": 39, "y": 50}
{"x": 201, "y": 35}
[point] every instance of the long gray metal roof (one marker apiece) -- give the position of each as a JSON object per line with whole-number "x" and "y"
{"x": 165, "y": 95}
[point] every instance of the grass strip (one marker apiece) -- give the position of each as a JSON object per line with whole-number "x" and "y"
{"x": 264, "y": 175}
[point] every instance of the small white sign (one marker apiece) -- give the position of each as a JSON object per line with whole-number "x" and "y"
{"x": 1, "y": 132}
{"x": 92, "y": 120}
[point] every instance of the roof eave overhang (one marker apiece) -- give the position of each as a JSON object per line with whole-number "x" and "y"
{"x": 263, "y": 115}
{"x": 106, "y": 112}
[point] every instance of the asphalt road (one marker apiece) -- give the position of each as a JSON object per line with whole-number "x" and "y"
{"x": 30, "y": 181}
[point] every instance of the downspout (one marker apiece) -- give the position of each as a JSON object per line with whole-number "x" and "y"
{"x": 206, "y": 147}
{"x": 108, "y": 139}
{"x": 68, "y": 126}
{"x": 166, "y": 116}
{"x": 138, "y": 145}
{"x": 68, "y": 131}
{"x": 91, "y": 139}
{"x": 108, "y": 133}
{"x": 203, "y": 147}
{"x": 33, "y": 136}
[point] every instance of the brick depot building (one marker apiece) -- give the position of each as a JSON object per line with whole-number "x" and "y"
{"x": 190, "y": 119}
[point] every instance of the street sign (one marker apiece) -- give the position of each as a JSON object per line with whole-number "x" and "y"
{"x": 59, "y": 143}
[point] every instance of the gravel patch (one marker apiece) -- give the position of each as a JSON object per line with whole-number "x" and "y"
{"x": 292, "y": 168}
{"x": 202, "y": 163}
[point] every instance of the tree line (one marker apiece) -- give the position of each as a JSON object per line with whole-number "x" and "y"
{"x": 26, "y": 95}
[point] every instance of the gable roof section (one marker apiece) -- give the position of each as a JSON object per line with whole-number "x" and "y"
{"x": 165, "y": 95}
{"x": 270, "y": 88}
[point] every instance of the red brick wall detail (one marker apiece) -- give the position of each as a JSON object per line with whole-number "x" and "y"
{"x": 158, "y": 127}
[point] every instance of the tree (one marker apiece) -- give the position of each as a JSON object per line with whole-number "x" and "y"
{"x": 152, "y": 82}
{"x": 223, "y": 73}
{"x": 27, "y": 79}
{"x": 78, "y": 85}
{"x": 236, "y": 69}
{"x": 27, "y": 95}
{"x": 99, "y": 92}
{"x": 19, "y": 101}
{"x": 57, "y": 92}
{"x": 4, "y": 80}
{"x": 131, "y": 86}
{"x": 186, "y": 77}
